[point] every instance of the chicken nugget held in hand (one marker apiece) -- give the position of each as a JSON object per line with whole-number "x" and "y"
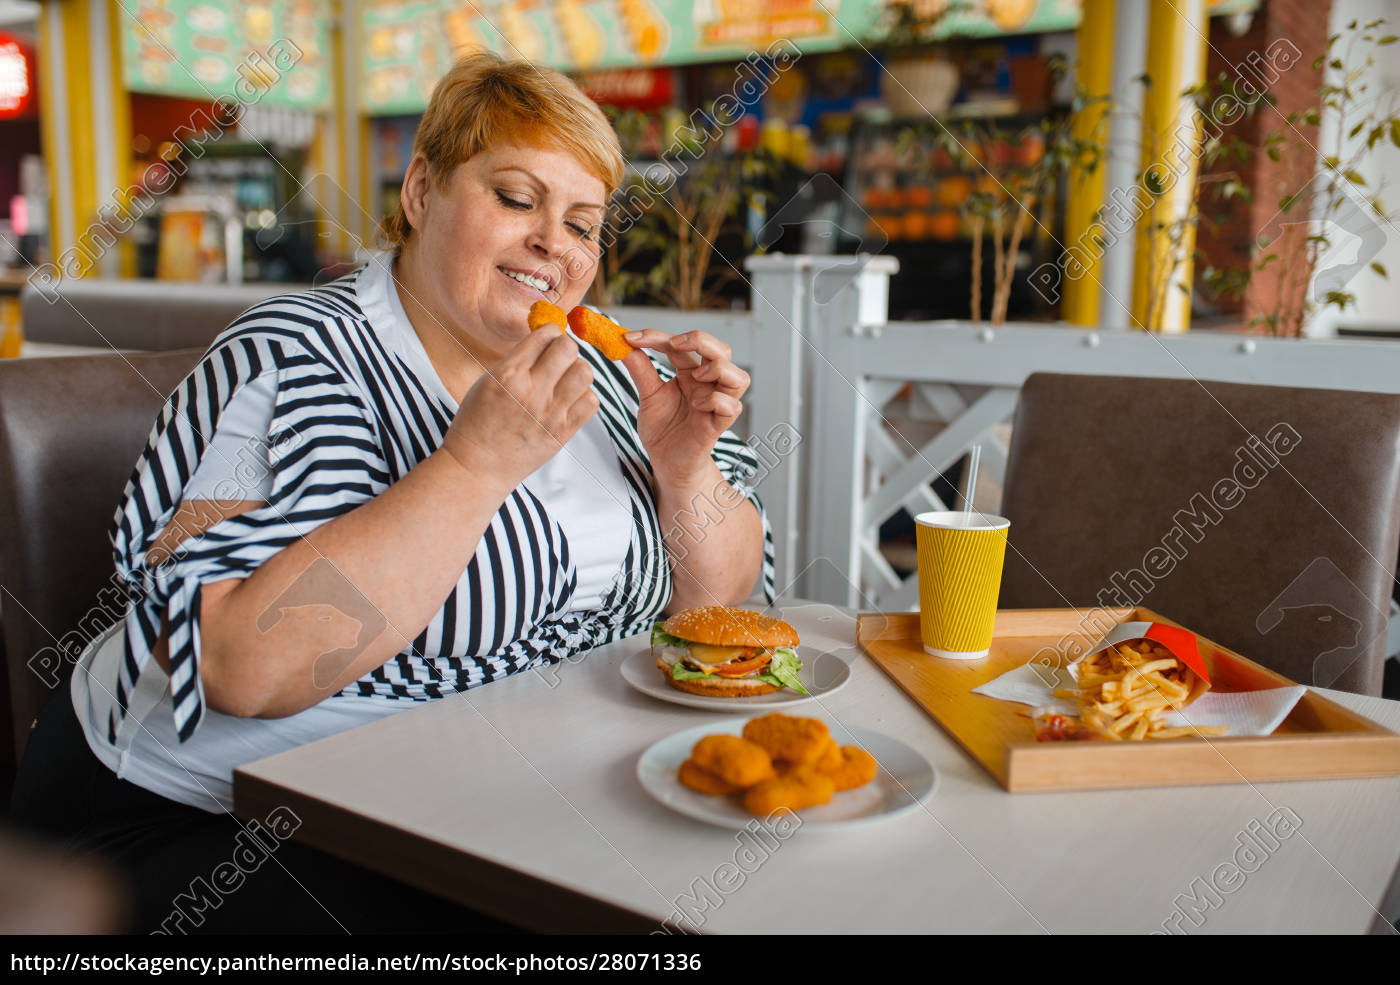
{"x": 802, "y": 787}
{"x": 703, "y": 781}
{"x": 856, "y": 769}
{"x": 732, "y": 759}
{"x": 544, "y": 313}
{"x": 599, "y": 330}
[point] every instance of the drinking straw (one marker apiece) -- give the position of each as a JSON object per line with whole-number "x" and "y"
{"x": 971, "y": 485}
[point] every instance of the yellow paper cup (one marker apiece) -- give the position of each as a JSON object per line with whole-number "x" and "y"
{"x": 960, "y": 559}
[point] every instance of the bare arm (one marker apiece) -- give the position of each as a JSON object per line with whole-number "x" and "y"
{"x": 714, "y": 538}
{"x": 389, "y": 563}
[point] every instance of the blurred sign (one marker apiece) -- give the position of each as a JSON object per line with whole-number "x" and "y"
{"x": 16, "y": 79}
{"x": 409, "y": 44}
{"x": 264, "y": 52}
{"x": 629, "y": 88}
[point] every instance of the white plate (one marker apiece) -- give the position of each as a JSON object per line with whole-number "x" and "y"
{"x": 820, "y": 675}
{"x": 906, "y": 779}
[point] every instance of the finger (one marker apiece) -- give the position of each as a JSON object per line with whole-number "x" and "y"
{"x": 558, "y": 356}
{"x": 643, "y": 373}
{"x": 576, "y": 379}
{"x": 725, "y": 375}
{"x": 684, "y": 360}
{"x": 722, "y": 405}
{"x": 650, "y": 338}
{"x": 580, "y": 411}
{"x": 702, "y": 342}
{"x": 528, "y": 349}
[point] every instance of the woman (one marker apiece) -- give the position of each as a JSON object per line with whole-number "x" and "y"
{"x": 387, "y": 490}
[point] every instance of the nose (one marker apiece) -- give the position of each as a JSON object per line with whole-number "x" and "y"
{"x": 546, "y": 239}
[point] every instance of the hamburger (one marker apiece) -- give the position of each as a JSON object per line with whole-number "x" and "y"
{"x": 724, "y": 652}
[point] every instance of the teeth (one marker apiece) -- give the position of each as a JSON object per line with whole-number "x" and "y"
{"x": 538, "y": 283}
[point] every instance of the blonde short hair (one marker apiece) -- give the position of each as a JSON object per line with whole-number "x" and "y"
{"x": 485, "y": 100}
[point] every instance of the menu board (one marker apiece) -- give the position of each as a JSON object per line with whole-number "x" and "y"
{"x": 410, "y": 43}
{"x": 268, "y": 52}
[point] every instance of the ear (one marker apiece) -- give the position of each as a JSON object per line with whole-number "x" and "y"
{"x": 413, "y": 196}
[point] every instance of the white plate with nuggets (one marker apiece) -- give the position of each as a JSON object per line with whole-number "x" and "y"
{"x": 821, "y": 675}
{"x": 906, "y": 779}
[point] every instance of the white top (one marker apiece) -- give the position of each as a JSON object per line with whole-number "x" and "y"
{"x": 581, "y": 487}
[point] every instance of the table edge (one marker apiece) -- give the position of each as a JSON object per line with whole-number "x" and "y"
{"x": 500, "y": 891}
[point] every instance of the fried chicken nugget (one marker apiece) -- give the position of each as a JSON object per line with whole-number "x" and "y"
{"x": 803, "y": 787}
{"x": 828, "y": 762}
{"x": 797, "y": 740}
{"x": 698, "y": 778}
{"x": 856, "y": 769}
{"x": 732, "y": 759}
{"x": 544, "y": 313}
{"x": 598, "y": 330}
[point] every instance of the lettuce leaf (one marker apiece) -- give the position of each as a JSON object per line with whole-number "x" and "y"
{"x": 659, "y": 637}
{"x": 782, "y": 672}
{"x": 784, "y": 667}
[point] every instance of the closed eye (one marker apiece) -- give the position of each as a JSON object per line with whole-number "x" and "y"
{"x": 581, "y": 231}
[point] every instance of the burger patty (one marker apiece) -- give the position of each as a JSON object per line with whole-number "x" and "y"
{"x": 743, "y": 661}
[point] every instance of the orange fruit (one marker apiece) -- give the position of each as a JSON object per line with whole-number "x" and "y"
{"x": 918, "y": 196}
{"x": 944, "y": 225}
{"x": 916, "y": 225}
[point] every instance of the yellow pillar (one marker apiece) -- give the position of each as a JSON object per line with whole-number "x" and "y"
{"x": 1085, "y": 195}
{"x": 340, "y": 154}
{"x": 86, "y": 124}
{"x": 1176, "y": 60}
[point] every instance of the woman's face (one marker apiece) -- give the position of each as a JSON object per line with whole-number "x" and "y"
{"x": 505, "y": 214}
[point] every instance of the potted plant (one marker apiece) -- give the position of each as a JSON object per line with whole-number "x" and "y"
{"x": 920, "y": 80}
{"x": 1011, "y": 174}
{"x": 1312, "y": 195}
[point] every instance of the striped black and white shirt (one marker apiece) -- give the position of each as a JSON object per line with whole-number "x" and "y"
{"x": 355, "y": 405}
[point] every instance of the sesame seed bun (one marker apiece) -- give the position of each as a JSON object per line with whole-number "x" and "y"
{"x": 721, "y": 625}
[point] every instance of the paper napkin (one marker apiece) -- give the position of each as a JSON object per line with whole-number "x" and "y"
{"x": 1244, "y": 712}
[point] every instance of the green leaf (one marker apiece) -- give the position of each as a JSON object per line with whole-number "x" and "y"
{"x": 1380, "y": 269}
{"x": 1395, "y": 132}
{"x": 785, "y": 666}
{"x": 659, "y": 637}
{"x": 1355, "y": 177}
{"x": 1389, "y": 39}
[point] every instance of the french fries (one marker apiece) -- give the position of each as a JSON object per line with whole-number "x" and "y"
{"x": 1126, "y": 690}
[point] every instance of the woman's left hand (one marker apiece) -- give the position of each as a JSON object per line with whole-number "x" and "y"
{"x": 680, "y": 420}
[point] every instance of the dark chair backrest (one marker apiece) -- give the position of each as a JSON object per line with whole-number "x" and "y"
{"x": 71, "y": 429}
{"x": 153, "y": 316}
{"x": 1264, "y": 518}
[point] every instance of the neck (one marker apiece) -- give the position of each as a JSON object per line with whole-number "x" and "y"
{"x": 454, "y": 353}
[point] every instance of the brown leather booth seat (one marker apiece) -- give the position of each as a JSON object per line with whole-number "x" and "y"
{"x": 1264, "y": 518}
{"x": 71, "y": 429}
{"x": 148, "y": 315}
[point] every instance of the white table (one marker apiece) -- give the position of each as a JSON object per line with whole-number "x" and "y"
{"x": 520, "y": 799}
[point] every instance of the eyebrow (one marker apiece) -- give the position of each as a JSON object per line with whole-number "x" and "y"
{"x": 531, "y": 175}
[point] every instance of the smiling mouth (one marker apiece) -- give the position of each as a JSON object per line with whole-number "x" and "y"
{"x": 541, "y": 284}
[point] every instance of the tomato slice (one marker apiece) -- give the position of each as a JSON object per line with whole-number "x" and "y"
{"x": 743, "y": 668}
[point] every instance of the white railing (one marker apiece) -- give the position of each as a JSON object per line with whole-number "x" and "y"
{"x": 884, "y": 407}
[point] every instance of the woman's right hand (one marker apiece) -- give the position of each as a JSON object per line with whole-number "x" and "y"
{"x": 523, "y": 409}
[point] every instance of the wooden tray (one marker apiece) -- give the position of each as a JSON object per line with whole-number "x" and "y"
{"x": 1319, "y": 740}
